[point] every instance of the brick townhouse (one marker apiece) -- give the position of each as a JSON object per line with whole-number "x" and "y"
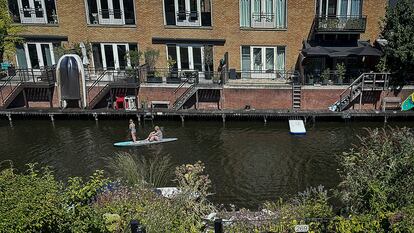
{"x": 259, "y": 35}
{"x": 258, "y": 40}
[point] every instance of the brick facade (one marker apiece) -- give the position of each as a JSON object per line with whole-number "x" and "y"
{"x": 225, "y": 25}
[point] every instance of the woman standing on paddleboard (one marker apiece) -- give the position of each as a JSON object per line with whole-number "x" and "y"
{"x": 132, "y": 130}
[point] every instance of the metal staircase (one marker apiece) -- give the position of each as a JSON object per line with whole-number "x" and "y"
{"x": 185, "y": 97}
{"x": 296, "y": 96}
{"x": 365, "y": 82}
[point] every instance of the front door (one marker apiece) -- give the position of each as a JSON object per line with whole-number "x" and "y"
{"x": 188, "y": 12}
{"x": 111, "y": 11}
{"x": 39, "y": 55}
{"x": 32, "y": 11}
{"x": 263, "y": 14}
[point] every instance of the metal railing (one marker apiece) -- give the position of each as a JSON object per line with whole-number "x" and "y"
{"x": 103, "y": 77}
{"x": 16, "y": 77}
{"x": 277, "y": 75}
{"x": 332, "y": 77}
{"x": 341, "y": 23}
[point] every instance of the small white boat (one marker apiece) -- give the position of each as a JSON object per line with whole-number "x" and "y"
{"x": 297, "y": 127}
{"x": 143, "y": 142}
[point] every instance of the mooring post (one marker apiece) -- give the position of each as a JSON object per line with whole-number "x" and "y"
{"x": 95, "y": 115}
{"x": 52, "y": 119}
{"x": 224, "y": 118}
{"x": 182, "y": 118}
{"x": 139, "y": 118}
{"x": 385, "y": 119}
{"x": 9, "y": 117}
{"x": 264, "y": 119}
{"x": 218, "y": 226}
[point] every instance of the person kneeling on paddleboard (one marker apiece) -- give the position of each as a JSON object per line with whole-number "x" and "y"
{"x": 155, "y": 135}
{"x": 132, "y": 130}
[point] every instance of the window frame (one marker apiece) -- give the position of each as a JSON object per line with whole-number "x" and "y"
{"x": 89, "y": 23}
{"x": 274, "y": 27}
{"x": 187, "y": 23}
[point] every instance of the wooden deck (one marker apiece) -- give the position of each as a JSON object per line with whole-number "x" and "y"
{"x": 220, "y": 114}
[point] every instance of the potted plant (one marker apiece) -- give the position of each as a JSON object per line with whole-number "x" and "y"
{"x": 310, "y": 79}
{"x": 172, "y": 71}
{"x": 151, "y": 56}
{"x": 340, "y": 72}
{"x": 208, "y": 60}
{"x": 131, "y": 73}
{"x": 325, "y": 76}
{"x": 144, "y": 103}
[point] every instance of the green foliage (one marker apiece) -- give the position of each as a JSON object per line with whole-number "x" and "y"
{"x": 283, "y": 216}
{"x": 135, "y": 57}
{"x": 8, "y": 33}
{"x": 151, "y": 57}
{"x": 72, "y": 48}
{"x": 326, "y": 74}
{"x": 398, "y": 30}
{"x": 340, "y": 70}
{"x": 30, "y": 202}
{"x": 378, "y": 175}
{"x": 171, "y": 62}
{"x": 153, "y": 172}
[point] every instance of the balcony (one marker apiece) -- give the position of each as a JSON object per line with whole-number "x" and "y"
{"x": 340, "y": 24}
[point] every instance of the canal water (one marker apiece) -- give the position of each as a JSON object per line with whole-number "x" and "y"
{"x": 249, "y": 162}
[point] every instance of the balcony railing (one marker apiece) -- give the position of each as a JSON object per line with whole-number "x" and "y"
{"x": 339, "y": 23}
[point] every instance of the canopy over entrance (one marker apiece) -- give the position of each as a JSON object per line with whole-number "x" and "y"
{"x": 359, "y": 48}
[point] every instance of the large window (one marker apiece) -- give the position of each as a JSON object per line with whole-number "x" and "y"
{"x": 33, "y": 11}
{"x": 188, "y": 57}
{"x": 263, "y": 13}
{"x": 112, "y": 12}
{"x": 260, "y": 61}
{"x": 112, "y": 56}
{"x": 35, "y": 55}
{"x": 339, "y": 7}
{"x": 187, "y": 12}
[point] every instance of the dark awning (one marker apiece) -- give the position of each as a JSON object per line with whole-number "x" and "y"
{"x": 45, "y": 38}
{"x": 159, "y": 40}
{"x": 362, "y": 48}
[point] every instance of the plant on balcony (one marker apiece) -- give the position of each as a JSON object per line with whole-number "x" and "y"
{"x": 208, "y": 60}
{"x": 151, "y": 57}
{"x": 325, "y": 76}
{"x": 310, "y": 79}
{"x": 135, "y": 57}
{"x": 340, "y": 72}
{"x": 8, "y": 33}
{"x": 332, "y": 24}
{"x": 172, "y": 71}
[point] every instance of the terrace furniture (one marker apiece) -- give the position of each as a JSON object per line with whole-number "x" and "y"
{"x": 119, "y": 102}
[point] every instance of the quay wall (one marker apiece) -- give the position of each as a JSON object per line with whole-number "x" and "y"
{"x": 235, "y": 98}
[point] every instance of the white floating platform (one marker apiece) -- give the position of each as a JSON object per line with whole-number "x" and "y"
{"x": 297, "y": 127}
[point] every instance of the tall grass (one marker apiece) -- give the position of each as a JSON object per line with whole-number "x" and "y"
{"x": 155, "y": 171}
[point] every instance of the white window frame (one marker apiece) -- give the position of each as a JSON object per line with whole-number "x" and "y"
{"x": 338, "y": 7}
{"x": 39, "y": 54}
{"x": 111, "y": 20}
{"x": 115, "y": 52}
{"x": 263, "y": 19}
{"x": 190, "y": 55}
{"x": 32, "y": 19}
{"x": 187, "y": 21}
{"x": 262, "y": 72}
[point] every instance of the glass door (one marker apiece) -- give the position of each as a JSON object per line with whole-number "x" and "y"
{"x": 32, "y": 11}
{"x": 188, "y": 12}
{"x": 328, "y": 7}
{"x": 263, "y": 13}
{"x": 114, "y": 56}
{"x": 189, "y": 57}
{"x": 263, "y": 62}
{"x": 40, "y": 55}
{"x": 111, "y": 11}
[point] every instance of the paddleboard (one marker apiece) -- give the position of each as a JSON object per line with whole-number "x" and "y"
{"x": 143, "y": 142}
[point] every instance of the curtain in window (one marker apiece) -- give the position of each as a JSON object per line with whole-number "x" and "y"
{"x": 280, "y": 13}
{"x": 269, "y": 10}
{"x": 344, "y": 7}
{"x": 281, "y": 61}
{"x": 245, "y": 66}
{"x": 356, "y": 7}
{"x": 245, "y": 13}
{"x": 21, "y": 57}
{"x": 256, "y": 10}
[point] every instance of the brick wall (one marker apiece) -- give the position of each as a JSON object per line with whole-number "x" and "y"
{"x": 150, "y": 23}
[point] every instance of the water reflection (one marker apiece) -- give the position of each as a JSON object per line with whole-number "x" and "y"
{"x": 248, "y": 162}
